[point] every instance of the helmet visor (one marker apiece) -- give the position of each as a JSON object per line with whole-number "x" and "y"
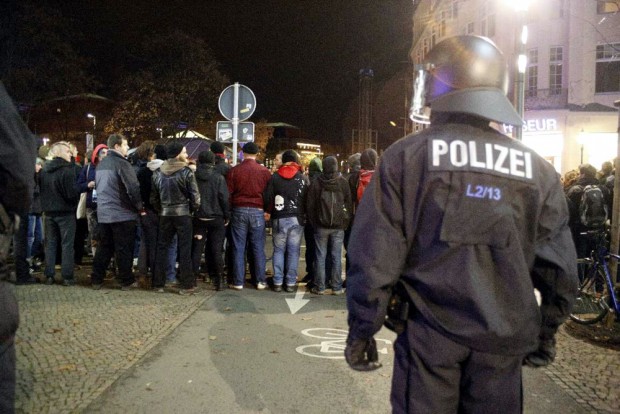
{"x": 419, "y": 111}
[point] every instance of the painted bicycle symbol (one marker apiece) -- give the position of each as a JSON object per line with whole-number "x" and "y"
{"x": 333, "y": 344}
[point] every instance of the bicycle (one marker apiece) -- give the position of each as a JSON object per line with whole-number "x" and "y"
{"x": 597, "y": 294}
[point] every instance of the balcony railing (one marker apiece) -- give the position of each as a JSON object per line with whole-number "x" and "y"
{"x": 546, "y": 98}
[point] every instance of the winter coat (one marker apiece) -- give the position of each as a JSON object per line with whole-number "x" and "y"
{"x": 118, "y": 190}
{"x": 285, "y": 195}
{"x": 174, "y": 191}
{"x": 59, "y": 188}
{"x": 213, "y": 193}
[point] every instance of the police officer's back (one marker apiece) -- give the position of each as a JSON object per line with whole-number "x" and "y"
{"x": 468, "y": 222}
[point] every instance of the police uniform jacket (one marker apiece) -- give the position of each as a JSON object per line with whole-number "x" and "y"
{"x": 471, "y": 222}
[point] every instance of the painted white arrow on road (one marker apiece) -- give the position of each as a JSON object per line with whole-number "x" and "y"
{"x": 296, "y": 304}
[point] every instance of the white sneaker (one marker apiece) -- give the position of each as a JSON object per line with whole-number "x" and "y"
{"x": 261, "y": 286}
{"x": 237, "y": 287}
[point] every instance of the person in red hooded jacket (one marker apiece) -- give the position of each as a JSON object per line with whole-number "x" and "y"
{"x": 285, "y": 198}
{"x": 86, "y": 184}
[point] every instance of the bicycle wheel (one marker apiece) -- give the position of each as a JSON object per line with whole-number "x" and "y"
{"x": 590, "y": 306}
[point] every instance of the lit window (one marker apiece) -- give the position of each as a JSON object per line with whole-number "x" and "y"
{"x": 555, "y": 70}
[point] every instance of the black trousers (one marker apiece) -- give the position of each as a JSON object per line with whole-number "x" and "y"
{"x": 20, "y": 250}
{"x": 116, "y": 239}
{"x": 213, "y": 233}
{"x": 9, "y": 320}
{"x": 433, "y": 374}
{"x": 168, "y": 227}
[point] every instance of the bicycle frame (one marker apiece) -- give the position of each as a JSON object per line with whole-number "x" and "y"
{"x": 603, "y": 258}
{"x": 593, "y": 302}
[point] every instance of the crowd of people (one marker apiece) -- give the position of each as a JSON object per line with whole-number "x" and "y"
{"x": 158, "y": 216}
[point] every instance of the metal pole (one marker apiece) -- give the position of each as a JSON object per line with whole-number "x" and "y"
{"x": 615, "y": 223}
{"x": 521, "y": 67}
{"x": 235, "y": 122}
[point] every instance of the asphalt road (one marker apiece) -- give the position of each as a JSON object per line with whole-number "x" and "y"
{"x": 246, "y": 352}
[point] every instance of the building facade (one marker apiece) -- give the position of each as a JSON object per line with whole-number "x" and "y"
{"x": 572, "y": 76}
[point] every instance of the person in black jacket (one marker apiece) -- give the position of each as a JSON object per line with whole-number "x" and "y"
{"x": 59, "y": 203}
{"x": 284, "y": 199}
{"x": 211, "y": 219}
{"x": 328, "y": 208}
{"x": 17, "y": 158}
{"x": 461, "y": 223}
{"x": 145, "y": 154}
{"x": 174, "y": 194}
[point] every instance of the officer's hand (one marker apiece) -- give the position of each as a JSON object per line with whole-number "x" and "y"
{"x": 543, "y": 356}
{"x": 361, "y": 354}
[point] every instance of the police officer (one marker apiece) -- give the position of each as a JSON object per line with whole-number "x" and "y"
{"x": 467, "y": 223}
{"x": 17, "y": 159}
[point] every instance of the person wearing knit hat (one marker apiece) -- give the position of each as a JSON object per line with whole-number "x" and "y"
{"x": 284, "y": 200}
{"x": 210, "y": 219}
{"x": 246, "y": 183}
{"x": 174, "y": 148}
{"x": 250, "y": 148}
{"x": 175, "y": 195}
{"x": 221, "y": 165}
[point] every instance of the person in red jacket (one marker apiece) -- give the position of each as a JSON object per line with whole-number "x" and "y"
{"x": 246, "y": 183}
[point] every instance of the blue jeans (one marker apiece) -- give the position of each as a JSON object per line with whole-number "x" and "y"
{"x": 59, "y": 230}
{"x": 322, "y": 238}
{"x": 287, "y": 234}
{"x": 248, "y": 224}
{"x": 35, "y": 235}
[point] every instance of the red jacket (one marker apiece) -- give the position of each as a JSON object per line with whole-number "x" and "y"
{"x": 246, "y": 183}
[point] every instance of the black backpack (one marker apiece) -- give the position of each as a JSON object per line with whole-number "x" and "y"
{"x": 592, "y": 207}
{"x": 333, "y": 212}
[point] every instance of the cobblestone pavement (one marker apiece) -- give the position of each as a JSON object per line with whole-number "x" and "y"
{"x": 588, "y": 373}
{"x": 74, "y": 342}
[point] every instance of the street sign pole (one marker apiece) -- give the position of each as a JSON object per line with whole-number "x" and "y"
{"x": 235, "y": 122}
{"x": 231, "y": 98}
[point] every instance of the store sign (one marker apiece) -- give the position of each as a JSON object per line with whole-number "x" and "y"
{"x": 536, "y": 125}
{"x": 540, "y": 125}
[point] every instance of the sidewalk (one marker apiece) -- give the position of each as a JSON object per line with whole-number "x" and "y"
{"x": 73, "y": 343}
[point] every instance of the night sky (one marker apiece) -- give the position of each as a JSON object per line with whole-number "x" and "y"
{"x": 300, "y": 57}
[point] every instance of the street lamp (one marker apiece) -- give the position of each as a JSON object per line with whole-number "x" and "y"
{"x": 90, "y": 145}
{"x": 520, "y": 40}
{"x": 161, "y": 133}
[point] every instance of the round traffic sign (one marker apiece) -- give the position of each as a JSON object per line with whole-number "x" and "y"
{"x": 245, "y": 106}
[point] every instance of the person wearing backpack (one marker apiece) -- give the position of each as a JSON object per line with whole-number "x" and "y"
{"x": 328, "y": 208}
{"x": 358, "y": 181}
{"x": 587, "y": 205}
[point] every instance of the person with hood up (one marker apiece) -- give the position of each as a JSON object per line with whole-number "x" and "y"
{"x": 284, "y": 198}
{"x": 58, "y": 183}
{"x": 329, "y": 207}
{"x": 174, "y": 194}
{"x": 86, "y": 184}
{"x": 211, "y": 219}
{"x": 315, "y": 168}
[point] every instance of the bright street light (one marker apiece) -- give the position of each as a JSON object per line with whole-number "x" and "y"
{"x": 94, "y": 119}
{"x": 161, "y": 133}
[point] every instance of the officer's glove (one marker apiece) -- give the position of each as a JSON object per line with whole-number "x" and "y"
{"x": 361, "y": 354}
{"x": 543, "y": 356}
